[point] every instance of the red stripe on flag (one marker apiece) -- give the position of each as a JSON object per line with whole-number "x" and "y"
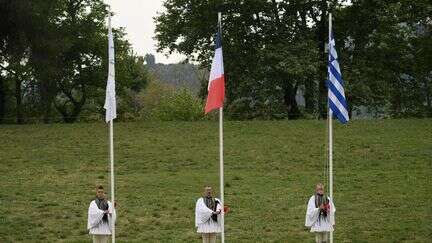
{"x": 216, "y": 94}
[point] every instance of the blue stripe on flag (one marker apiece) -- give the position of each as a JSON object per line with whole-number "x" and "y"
{"x": 337, "y": 112}
{"x": 331, "y": 58}
{"x": 338, "y": 95}
{"x": 336, "y": 74}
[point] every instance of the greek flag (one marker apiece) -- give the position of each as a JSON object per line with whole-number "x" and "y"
{"x": 336, "y": 95}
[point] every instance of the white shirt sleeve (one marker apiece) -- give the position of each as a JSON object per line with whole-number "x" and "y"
{"x": 312, "y": 213}
{"x": 95, "y": 215}
{"x": 202, "y": 212}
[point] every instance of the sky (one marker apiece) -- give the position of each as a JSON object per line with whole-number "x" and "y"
{"x": 136, "y": 16}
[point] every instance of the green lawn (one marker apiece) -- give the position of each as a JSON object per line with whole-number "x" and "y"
{"x": 383, "y": 172}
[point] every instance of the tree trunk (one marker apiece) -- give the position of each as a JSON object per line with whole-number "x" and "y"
{"x": 350, "y": 109}
{"x": 46, "y": 98}
{"x": 47, "y": 112}
{"x": 428, "y": 97}
{"x": 18, "y": 98}
{"x": 322, "y": 73}
{"x": 397, "y": 99}
{"x": 71, "y": 108}
{"x": 292, "y": 109}
{"x": 310, "y": 95}
{"x": 73, "y": 116}
{"x": 2, "y": 99}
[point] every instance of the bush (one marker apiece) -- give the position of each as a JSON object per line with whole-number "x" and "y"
{"x": 180, "y": 105}
{"x": 152, "y": 96}
{"x": 247, "y": 108}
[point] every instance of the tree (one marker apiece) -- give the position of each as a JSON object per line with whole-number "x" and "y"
{"x": 82, "y": 31}
{"x": 272, "y": 47}
{"x": 14, "y": 51}
{"x": 56, "y": 54}
{"x": 385, "y": 46}
{"x": 257, "y": 37}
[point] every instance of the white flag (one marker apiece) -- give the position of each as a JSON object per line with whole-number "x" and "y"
{"x": 110, "y": 98}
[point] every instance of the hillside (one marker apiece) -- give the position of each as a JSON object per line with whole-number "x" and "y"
{"x": 382, "y": 179}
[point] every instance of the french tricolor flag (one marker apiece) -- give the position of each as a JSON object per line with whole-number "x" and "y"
{"x": 216, "y": 85}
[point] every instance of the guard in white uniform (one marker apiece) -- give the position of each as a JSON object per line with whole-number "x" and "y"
{"x": 101, "y": 216}
{"x": 208, "y": 216}
{"x": 320, "y": 215}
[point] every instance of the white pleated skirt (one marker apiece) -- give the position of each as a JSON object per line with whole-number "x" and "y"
{"x": 209, "y": 227}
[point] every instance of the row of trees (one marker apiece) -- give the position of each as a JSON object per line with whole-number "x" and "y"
{"x": 53, "y": 59}
{"x": 272, "y": 48}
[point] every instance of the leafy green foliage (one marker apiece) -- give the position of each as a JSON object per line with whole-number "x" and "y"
{"x": 60, "y": 60}
{"x": 180, "y": 105}
{"x": 271, "y": 48}
{"x": 382, "y": 56}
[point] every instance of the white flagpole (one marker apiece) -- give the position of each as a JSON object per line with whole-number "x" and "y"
{"x": 330, "y": 135}
{"x": 221, "y": 161}
{"x": 221, "y": 164}
{"x": 111, "y": 133}
{"x": 111, "y": 139}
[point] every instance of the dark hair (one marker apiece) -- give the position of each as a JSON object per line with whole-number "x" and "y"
{"x": 99, "y": 187}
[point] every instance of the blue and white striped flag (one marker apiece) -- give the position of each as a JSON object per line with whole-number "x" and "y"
{"x": 336, "y": 94}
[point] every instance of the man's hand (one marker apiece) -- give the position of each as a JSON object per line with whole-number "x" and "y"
{"x": 106, "y": 211}
{"x": 322, "y": 207}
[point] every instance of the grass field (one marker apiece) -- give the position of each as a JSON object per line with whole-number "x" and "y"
{"x": 383, "y": 179}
